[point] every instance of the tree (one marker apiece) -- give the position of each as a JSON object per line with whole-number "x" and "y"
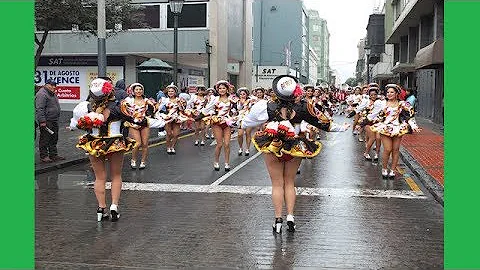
{"x": 62, "y": 14}
{"x": 352, "y": 81}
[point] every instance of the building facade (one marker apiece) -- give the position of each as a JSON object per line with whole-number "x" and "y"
{"x": 380, "y": 59}
{"x": 360, "y": 70}
{"x": 320, "y": 42}
{"x": 313, "y": 67}
{"x": 280, "y": 37}
{"x": 415, "y": 28}
{"x": 206, "y": 48}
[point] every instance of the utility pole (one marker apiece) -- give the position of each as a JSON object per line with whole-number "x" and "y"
{"x": 208, "y": 49}
{"x": 102, "y": 35}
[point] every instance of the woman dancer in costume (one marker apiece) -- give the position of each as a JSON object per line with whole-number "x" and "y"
{"x": 219, "y": 110}
{"x": 366, "y": 121}
{"x": 309, "y": 131}
{"x": 243, "y": 106}
{"x": 195, "y": 106}
{"x": 208, "y": 129}
{"x": 101, "y": 117}
{"x": 175, "y": 115}
{"x": 139, "y": 107}
{"x": 395, "y": 119}
{"x": 282, "y": 147}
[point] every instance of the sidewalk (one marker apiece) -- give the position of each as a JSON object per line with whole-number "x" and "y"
{"x": 423, "y": 153}
{"x": 66, "y": 146}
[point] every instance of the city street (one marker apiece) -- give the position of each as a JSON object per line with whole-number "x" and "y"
{"x": 180, "y": 213}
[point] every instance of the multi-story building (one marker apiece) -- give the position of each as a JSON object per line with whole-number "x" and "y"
{"x": 360, "y": 70}
{"x": 320, "y": 42}
{"x": 313, "y": 67}
{"x": 380, "y": 57}
{"x": 280, "y": 39}
{"x": 214, "y": 42}
{"x": 415, "y": 28}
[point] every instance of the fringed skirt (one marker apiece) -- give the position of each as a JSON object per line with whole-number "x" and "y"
{"x": 283, "y": 147}
{"x": 102, "y": 146}
{"x": 391, "y": 130}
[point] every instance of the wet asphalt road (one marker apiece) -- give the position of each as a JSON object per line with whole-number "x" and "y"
{"x": 180, "y": 213}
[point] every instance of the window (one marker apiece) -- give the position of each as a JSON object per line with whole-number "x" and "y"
{"x": 152, "y": 16}
{"x": 148, "y": 15}
{"x": 315, "y": 28}
{"x": 192, "y": 15}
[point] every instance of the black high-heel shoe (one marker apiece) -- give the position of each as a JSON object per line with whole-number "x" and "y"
{"x": 114, "y": 213}
{"x": 291, "y": 226}
{"x": 102, "y": 214}
{"x": 277, "y": 225}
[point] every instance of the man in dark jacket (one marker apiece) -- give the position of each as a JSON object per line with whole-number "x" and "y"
{"x": 47, "y": 114}
{"x": 120, "y": 92}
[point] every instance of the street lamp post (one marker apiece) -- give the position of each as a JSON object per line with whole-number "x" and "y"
{"x": 367, "y": 53}
{"x": 296, "y": 69}
{"x": 176, "y": 9}
{"x": 208, "y": 48}
{"x": 102, "y": 35}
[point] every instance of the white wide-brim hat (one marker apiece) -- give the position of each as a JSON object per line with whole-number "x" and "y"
{"x": 100, "y": 87}
{"x": 286, "y": 87}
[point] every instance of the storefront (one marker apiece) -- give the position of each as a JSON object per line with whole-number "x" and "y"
{"x": 74, "y": 74}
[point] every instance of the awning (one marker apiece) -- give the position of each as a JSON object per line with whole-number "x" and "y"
{"x": 384, "y": 76}
{"x": 403, "y": 68}
{"x": 154, "y": 63}
{"x": 430, "y": 55}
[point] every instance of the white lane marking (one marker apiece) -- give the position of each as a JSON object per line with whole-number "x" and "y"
{"x": 267, "y": 190}
{"x": 241, "y": 165}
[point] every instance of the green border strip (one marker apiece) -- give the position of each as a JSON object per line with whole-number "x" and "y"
{"x": 462, "y": 183}
{"x": 17, "y": 223}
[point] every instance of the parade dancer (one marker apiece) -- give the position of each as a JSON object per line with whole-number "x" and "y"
{"x": 138, "y": 107}
{"x": 309, "y": 131}
{"x": 243, "y": 106}
{"x": 365, "y": 122}
{"x": 353, "y": 101}
{"x": 395, "y": 119}
{"x": 219, "y": 117}
{"x": 208, "y": 129}
{"x": 364, "y": 102}
{"x": 175, "y": 115}
{"x": 282, "y": 148}
{"x": 195, "y": 105}
{"x": 101, "y": 117}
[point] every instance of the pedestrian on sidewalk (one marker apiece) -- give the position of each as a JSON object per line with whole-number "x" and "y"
{"x": 396, "y": 118}
{"x": 101, "y": 117}
{"x": 120, "y": 90}
{"x": 121, "y": 94}
{"x": 411, "y": 97}
{"x": 47, "y": 114}
{"x": 282, "y": 148}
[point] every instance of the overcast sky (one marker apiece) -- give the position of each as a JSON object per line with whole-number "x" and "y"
{"x": 347, "y": 22}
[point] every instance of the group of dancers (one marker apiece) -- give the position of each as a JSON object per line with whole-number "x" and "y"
{"x": 282, "y": 122}
{"x": 382, "y": 118}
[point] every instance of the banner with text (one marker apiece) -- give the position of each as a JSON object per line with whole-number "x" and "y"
{"x": 73, "y": 81}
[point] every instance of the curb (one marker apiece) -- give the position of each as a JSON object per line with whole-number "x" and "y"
{"x": 67, "y": 163}
{"x": 427, "y": 180}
